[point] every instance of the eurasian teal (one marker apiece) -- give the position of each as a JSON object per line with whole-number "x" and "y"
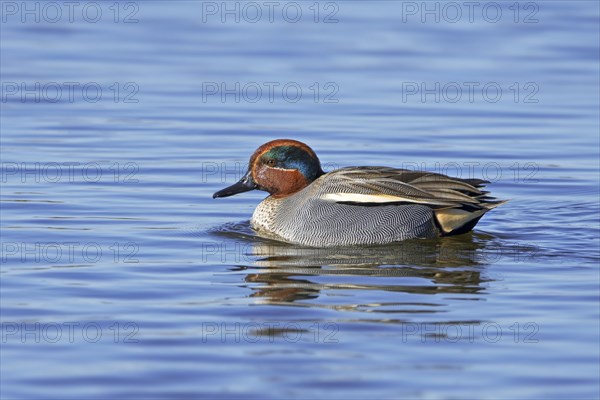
{"x": 354, "y": 205}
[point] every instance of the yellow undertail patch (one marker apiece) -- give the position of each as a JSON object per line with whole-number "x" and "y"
{"x": 450, "y": 219}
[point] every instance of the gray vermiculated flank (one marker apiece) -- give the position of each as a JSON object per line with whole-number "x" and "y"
{"x": 306, "y": 218}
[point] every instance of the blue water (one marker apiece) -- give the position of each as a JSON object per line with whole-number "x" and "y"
{"x": 121, "y": 276}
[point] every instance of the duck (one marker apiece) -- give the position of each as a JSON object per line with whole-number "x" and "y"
{"x": 354, "y": 206}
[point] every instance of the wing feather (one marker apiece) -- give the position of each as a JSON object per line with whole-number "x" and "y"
{"x": 385, "y": 185}
{"x": 457, "y": 203}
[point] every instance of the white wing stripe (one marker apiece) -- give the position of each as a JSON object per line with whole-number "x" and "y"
{"x": 379, "y": 198}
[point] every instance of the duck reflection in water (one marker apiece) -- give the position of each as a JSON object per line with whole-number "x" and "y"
{"x": 284, "y": 273}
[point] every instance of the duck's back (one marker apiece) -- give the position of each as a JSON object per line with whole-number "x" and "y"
{"x": 308, "y": 218}
{"x": 374, "y": 205}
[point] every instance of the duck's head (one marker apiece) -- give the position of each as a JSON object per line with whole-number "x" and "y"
{"x": 281, "y": 167}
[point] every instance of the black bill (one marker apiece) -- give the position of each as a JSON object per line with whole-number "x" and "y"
{"x": 243, "y": 185}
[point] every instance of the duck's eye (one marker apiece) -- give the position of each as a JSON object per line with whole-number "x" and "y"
{"x": 271, "y": 162}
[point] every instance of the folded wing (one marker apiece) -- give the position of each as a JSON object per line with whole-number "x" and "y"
{"x": 458, "y": 204}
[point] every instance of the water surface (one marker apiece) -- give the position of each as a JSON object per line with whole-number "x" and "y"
{"x": 121, "y": 276}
